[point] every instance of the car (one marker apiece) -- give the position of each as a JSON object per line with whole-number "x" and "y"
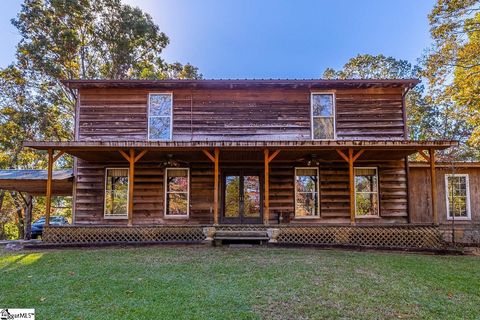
{"x": 37, "y": 226}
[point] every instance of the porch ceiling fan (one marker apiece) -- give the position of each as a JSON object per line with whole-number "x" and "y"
{"x": 310, "y": 160}
{"x": 170, "y": 161}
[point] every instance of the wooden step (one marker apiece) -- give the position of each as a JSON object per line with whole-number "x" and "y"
{"x": 241, "y": 235}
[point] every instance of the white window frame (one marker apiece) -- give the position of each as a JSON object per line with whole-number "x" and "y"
{"x": 171, "y": 116}
{"x": 334, "y": 114}
{"x": 317, "y": 216}
{"x": 115, "y": 216}
{"x": 166, "y": 192}
{"x": 467, "y": 186}
{"x": 370, "y": 192}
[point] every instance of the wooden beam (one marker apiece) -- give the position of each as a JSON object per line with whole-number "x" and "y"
{"x": 215, "y": 190}
{"x": 433, "y": 180}
{"x": 209, "y": 155}
{"x": 48, "y": 200}
{"x": 140, "y": 155}
{"x": 359, "y": 153}
{"x": 131, "y": 182}
{"x": 351, "y": 181}
{"x": 342, "y": 155}
{"x": 424, "y": 155}
{"x": 274, "y": 154}
{"x": 59, "y": 154}
{"x": 266, "y": 209}
{"x": 125, "y": 155}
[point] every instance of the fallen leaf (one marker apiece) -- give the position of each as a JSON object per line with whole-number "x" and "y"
{"x": 129, "y": 291}
{"x": 71, "y": 273}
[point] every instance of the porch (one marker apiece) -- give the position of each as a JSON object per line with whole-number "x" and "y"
{"x": 273, "y": 164}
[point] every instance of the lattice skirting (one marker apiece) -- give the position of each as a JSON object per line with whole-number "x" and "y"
{"x": 123, "y": 234}
{"x": 424, "y": 237}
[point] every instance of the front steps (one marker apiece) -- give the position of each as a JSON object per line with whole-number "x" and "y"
{"x": 240, "y": 237}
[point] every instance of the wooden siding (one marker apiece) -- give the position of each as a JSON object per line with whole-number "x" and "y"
{"x": 262, "y": 114}
{"x": 148, "y": 196}
{"x": 420, "y": 194}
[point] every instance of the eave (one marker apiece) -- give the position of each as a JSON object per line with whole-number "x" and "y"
{"x": 244, "y": 83}
{"x": 190, "y": 150}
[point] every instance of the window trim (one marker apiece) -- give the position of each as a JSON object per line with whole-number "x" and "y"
{"x": 467, "y": 186}
{"x": 317, "y": 216}
{"x": 377, "y": 192}
{"x": 165, "y": 193}
{"x": 334, "y": 114}
{"x": 115, "y": 216}
{"x": 171, "y": 116}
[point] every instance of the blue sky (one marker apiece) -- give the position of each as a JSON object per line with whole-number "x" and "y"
{"x": 273, "y": 38}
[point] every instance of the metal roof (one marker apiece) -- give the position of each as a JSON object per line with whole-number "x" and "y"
{"x": 242, "y": 83}
{"x": 12, "y": 174}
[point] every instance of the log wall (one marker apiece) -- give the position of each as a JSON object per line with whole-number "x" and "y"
{"x": 262, "y": 114}
{"x": 149, "y": 193}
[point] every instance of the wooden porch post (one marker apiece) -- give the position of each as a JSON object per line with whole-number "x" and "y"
{"x": 48, "y": 193}
{"x": 350, "y": 159}
{"x": 351, "y": 184}
{"x": 48, "y": 200}
{"x": 433, "y": 181}
{"x": 267, "y": 159}
{"x": 131, "y": 182}
{"x": 131, "y": 158}
{"x": 215, "y": 159}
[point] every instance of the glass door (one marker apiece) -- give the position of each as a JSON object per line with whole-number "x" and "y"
{"x": 242, "y": 197}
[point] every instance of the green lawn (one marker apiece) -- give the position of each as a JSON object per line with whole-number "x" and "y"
{"x": 225, "y": 283}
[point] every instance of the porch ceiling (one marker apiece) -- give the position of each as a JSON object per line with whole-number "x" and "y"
{"x": 296, "y": 151}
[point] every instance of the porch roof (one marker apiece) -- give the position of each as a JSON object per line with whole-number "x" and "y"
{"x": 35, "y": 181}
{"x": 322, "y": 150}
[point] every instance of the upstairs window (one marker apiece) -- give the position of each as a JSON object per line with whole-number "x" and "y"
{"x": 177, "y": 192}
{"x": 160, "y": 116}
{"x": 323, "y": 116}
{"x": 366, "y": 192}
{"x": 306, "y": 192}
{"x": 116, "y": 193}
{"x": 458, "y": 196}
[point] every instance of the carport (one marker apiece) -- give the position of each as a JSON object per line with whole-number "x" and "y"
{"x": 31, "y": 183}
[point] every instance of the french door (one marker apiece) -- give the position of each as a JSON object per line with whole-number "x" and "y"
{"x": 242, "y": 197}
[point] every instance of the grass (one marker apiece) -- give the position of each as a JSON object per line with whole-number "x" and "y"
{"x": 225, "y": 283}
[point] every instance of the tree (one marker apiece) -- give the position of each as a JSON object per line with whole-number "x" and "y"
{"x": 452, "y": 64}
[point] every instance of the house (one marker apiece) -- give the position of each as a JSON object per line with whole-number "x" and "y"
{"x": 293, "y": 161}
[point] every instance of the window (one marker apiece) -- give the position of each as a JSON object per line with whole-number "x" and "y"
{"x": 177, "y": 182}
{"x": 116, "y": 193}
{"x": 366, "y": 192}
{"x": 458, "y": 196}
{"x": 306, "y": 192}
{"x": 323, "y": 116}
{"x": 160, "y": 116}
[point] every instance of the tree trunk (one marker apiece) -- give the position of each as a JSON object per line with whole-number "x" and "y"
{"x": 2, "y": 231}
{"x": 28, "y": 216}
{"x": 19, "y": 209}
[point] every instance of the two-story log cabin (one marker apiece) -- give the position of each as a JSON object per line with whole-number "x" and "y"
{"x": 309, "y": 161}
